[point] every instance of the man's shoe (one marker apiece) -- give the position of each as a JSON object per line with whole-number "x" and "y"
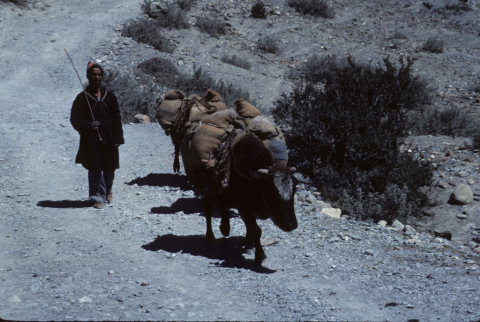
{"x": 98, "y": 205}
{"x": 109, "y": 197}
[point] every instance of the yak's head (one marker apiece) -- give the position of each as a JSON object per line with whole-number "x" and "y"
{"x": 278, "y": 191}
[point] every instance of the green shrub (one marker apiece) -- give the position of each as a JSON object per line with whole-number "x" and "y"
{"x": 318, "y": 8}
{"x": 450, "y": 121}
{"x": 136, "y": 95}
{"x": 345, "y": 135}
{"x": 259, "y": 11}
{"x": 200, "y": 81}
{"x": 147, "y": 31}
{"x": 162, "y": 69}
{"x": 236, "y": 61}
{"x": 268, "y": 44}
{"x": 212, "y": 27}
{"x": 434, "y": 45}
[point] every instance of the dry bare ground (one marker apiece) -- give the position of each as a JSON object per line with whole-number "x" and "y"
{"x": 145, "y": 257}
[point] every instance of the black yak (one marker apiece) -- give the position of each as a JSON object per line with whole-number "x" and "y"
{"x": 258, "y": 190}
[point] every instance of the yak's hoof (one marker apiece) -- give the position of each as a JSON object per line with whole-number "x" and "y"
{"x": 225, "y": 229}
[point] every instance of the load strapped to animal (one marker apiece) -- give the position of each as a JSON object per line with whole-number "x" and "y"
{"x": 204, "y": 131}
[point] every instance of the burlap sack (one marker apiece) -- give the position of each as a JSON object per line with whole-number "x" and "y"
{"x": 246, "y": 110}
{"x": 223, "y": 118}
{"x": 169, "y": 107}
{"x": 278, "y": 148}
{"x": 262, "y": 127}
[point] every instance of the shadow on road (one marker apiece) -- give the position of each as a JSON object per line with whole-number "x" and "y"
{"x": 187, "y": 205}
{"x": 163, "y": 180}
{"x": 229, "y": 250}
{"x": 65, "y": 204}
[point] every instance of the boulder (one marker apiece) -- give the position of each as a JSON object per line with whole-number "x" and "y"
{"x": 158, "y": 7}
{"x": 462, "y": 195}
{"x": 332, "y": 212}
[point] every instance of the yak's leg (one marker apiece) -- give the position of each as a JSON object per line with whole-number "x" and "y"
{"x": 225, "y": 221}
{"x": 208, "y": 209}
{"x": 254, "y": 232}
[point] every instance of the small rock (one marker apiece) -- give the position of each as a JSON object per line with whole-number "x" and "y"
{"x": 14, "y": 299}
{"x": 111, "y": 272}
{"x": 142, "y": 119}
{"x": 461, "y": 216}
{"x": 443, "y": 185}
{"x": 268, "y": 241}
{"x": 369, "y": 252}
{"x": 462, "y": 195}
{"x": 397, "y": 224}
{"x": 471, "y": 181}
{"x": 409, "y": 230}
{"x": 382, "y": 223}
{"x": 332, "y": 212}
{"x": 180, "y": 62}
{"x": 85, "y": 299}
{"x": 410, "y": 306}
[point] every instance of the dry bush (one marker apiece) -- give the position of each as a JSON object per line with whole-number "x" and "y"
{"x": 236, "y": 61}
{"x": 318, "y": 8}
{"x": 162, "y": 69}
{"x": 318, "y": 67}
{"x": 345, "y": 136}
{"x": 136, "y": 95}
{"x": 20, "y": 3}
{"x": 147, "y": 31}
{"x": 434, "y": 45}
{"x": 200, "y": 81}
{"x": 212, "y": 27}
{"x": 259, "y": 11}
{"x": 268, "y": 44}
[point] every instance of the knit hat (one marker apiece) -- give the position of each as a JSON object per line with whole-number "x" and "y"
{"x": 91, "y": 65}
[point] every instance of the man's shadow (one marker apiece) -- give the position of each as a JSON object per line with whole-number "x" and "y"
{"x": 163, "y": 180}
{"x": 229, "y": 250}
{"x": 65, "y": 204}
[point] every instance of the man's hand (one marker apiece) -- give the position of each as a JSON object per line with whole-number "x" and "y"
{"x": 95, "y": 125}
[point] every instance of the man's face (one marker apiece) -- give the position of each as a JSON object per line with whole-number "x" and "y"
{"x": 95, "y": 77}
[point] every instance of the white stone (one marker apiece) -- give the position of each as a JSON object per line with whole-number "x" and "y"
{"x": 332, "y": 212}
{"x": 85, "y": 299}
{"x": 14, "y": 299}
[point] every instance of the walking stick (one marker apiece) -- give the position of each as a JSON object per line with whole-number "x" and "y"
{"x": 83, "y": 88}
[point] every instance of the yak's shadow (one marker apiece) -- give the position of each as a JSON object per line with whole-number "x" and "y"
{"x": 163, "y": 180}
{"x": 229, "y": 250}
{"x": 187, "y": 205}
{"x": 65, "y": 204}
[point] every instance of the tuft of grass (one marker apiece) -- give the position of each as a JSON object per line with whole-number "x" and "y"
{"x": 317, "y": 8}
{"x": 162, "y": 69}
{"x": 434, "y": 45}
{"x": 459, "y": 7}
{"x": 236, "y": 61}
{"x": 173, "y": 17}
{"x": 200, "y": 81}
{"x": 345, "y": 136}
{"x": 136, "y": 95}
{"x": 20, "y": 3}
{"x": 268, "y": 44}
{"x": 259, "y": 11}
{"x": 147, "y": 31}
{"x": 212, "y": 27}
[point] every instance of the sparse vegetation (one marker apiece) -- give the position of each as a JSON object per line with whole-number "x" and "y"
{"x": 236, "y": 61}
{"x": 200, "y": 81}
{"x": 397, "y": 35}
{"x": 162, "y": 69}
{"x": 20, "y": 3}
{"x": 148, "y": 32}
{"x": 173, "y": 17}
{"x": 136, "y": 95}
{"x": 345, "y": 135}
{"x": 259, "y": 11}
{"x": 212, "y": 27}
{"x": 450, "y": 121}
{"x": 318, "y": 67}
{"x": 434, "y": 45}
{"x": 459, "y": 7}
{"x": 268, "y": 44}
{"x": 318, "y": 8}
{"x": 427, "y": 5}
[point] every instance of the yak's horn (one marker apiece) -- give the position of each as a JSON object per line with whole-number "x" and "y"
{"x": 262, "y": 171}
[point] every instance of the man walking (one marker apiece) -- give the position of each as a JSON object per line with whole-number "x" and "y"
{"x": 100, "y": 136}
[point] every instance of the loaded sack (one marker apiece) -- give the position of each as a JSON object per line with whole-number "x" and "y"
{"x": 168, "y": 108}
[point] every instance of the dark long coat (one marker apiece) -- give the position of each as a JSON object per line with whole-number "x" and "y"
{"x": 94, "y": 154}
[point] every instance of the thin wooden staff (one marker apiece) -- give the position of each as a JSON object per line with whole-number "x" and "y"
{"x": 84, "y": 92}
